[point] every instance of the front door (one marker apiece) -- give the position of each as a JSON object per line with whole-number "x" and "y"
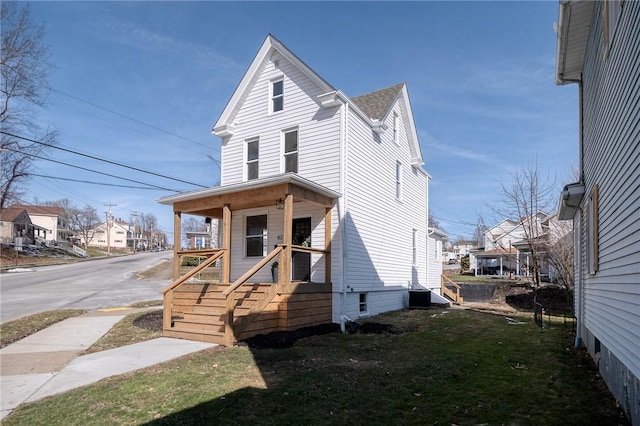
{"x": 301, "y": 262}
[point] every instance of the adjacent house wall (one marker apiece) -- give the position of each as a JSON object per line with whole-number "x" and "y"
{"x": 610, "y": 297}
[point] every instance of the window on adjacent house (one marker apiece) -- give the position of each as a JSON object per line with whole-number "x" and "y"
{"x": 277, "y": 95}
{"x": 592, "y": 248}
{"x": 395, "y": 127}
{"x": 363, "y": 303}
{"x": 256, "y": 235}
{"x": 253, "y": 159}
{"x": 291, "y": 151}
{"x": 398, "y": 180}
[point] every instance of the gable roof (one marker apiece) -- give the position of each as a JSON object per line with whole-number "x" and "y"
{"x": 377, "y": 104}
{"x": 373, "y": 107}
{"x": 270, "y": 46}
{"x": 41, "y": 210}
{"x": 10, "y": 214}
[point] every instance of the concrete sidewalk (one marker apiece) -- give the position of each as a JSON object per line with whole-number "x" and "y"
{"x": 51, "y": 361}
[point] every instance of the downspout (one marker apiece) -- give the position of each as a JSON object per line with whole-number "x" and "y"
{"x": 580, "y": 310}
{"x": 342, "y": 209}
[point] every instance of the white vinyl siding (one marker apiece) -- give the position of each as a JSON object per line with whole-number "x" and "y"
{"x": 378, "y": 229}
{"x": 319, "y": 148}
{"x": 611, "y": 160}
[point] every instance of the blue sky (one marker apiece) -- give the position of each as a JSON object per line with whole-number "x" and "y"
{"x": 480, "y": 77}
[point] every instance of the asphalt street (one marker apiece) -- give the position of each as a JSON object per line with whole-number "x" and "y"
{"x": 94, "y": 284}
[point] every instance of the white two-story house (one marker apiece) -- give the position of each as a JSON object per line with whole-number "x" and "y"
{"x": 328, "y": 186}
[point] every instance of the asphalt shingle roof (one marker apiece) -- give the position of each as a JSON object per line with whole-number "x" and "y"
{"x": 376, "y": 104}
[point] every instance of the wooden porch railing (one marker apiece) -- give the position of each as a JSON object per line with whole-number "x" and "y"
{"x": 454, "y": 295}
{"x": 212, "y": 255}
{"x": 229, "y": 334}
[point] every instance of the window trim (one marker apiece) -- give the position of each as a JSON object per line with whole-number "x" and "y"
{"x": 265, "y": 235}
{"x": 399, "y": 181}
{"x": 414, "y": 247}
{"x": 246, "y": 158}
{"x": 363, "y": 304}
{"x": 273, "y": 97}
{"x": 284, "y": 154}
{"x": 396, "y": 120}
{"x": 592, "y": 231}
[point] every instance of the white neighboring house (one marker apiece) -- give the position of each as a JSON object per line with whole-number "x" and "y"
{"x": 598, "y": 48}
{"x": 112, "y": 234}
{"x": 355, "y": 163}
{"x": 500, "y": 254}
{"x": 434, "y": 259}
{"x": 51, "y": 219}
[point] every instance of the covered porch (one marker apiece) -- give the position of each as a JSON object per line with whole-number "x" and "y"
{"x": 241, "y": 303}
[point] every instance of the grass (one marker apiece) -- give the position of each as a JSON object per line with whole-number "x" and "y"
{"x": 466, "y": 278}
{"x": 131, "y": 329}
{"x": 12, "y": 331}
{"x": 438, "y": 367}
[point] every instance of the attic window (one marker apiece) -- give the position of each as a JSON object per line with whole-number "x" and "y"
{"x": 277, "y": 95}
{"x": 395, "y": 127}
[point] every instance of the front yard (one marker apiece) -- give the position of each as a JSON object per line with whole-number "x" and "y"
{"x": 418, "y": 367}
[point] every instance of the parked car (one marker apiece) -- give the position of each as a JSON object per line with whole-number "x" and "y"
{"x": 452, "y": 261}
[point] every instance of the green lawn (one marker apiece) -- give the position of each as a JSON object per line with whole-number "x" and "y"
{"x": 438, "y": 367}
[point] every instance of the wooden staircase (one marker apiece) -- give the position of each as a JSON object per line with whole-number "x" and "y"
{"x": 199, "y": 310}
{"x": 229, "y": 312}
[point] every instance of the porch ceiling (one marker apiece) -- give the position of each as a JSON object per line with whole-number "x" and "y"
{"x": 257, "y": 193}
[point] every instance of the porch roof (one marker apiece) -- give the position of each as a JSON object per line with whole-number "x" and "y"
{"x": 255, "y": 193}
{"x": 496, "y": 252}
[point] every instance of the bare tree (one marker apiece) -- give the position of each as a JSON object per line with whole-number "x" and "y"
{"x": 525, "y": 197}
{"x": 559, "y": 248}
{"x": 150, "y": 229}
{"x": 84, "y": 221}
{"x": 24, "y": 68}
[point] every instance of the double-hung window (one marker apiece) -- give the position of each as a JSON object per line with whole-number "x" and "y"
{"x": 277, "y": 95}
{"x": 291, "y": 151}
{"x": 398, "y": 180}
{"x": 256, "y": 236}
{"x": 253, "y": 159}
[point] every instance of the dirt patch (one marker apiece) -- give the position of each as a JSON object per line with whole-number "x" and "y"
{"x": 519, "y": 298}
{"x": 287, "y": 339}
{"x": 151, "y": 321}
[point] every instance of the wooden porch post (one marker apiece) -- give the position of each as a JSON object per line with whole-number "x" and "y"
{"x": 327, "y": 245}
{"x": 226, "y": 244}
{"x": 284, "y": 273}
{"x": 177, "y": 243}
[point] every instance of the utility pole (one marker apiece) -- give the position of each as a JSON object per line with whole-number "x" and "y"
{"x": 109, "y": 225}
{"x": 134, "y": 219}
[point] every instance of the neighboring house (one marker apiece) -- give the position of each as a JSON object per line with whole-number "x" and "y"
{"x": 52, "y": 219}
{"x": 598, "y": 48}
{"x": 111, "y": 234}
{"x": 199, "y": 239}
{"x": 434, "y": 258}
{"x": 15, "y": 223}
{"x": 506, "y": 247}
{"x": 462, "y": 248}
{"x": 331, "y": 186}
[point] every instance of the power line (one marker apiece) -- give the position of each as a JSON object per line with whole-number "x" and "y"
{"x": 136, "y": 121}
{"x": 100, "y": 159}
{"x": 92, "y": 171}
{"x": 96, "y": 183}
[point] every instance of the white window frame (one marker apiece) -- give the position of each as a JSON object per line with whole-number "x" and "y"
{"x": 363, "y": 305}
{"x": 284, "y": 147}
{"x": 273, "y": 97}
{"x": 246, "y": 158}
{"x": 396, "y": 119}
{"x": 265, "y": 232}
{"x": 398, "y": 181}
{"x": 414, "y": 247}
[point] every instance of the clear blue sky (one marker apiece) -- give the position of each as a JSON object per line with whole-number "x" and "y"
{"x": 480, "y": 78}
